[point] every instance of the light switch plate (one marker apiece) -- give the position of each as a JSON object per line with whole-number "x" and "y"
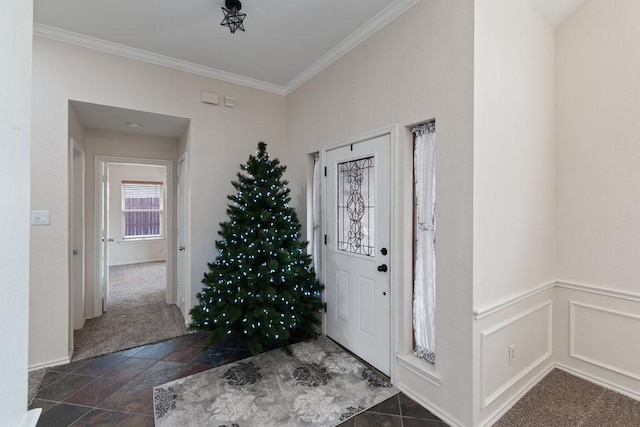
{"x": 40, "y": 217}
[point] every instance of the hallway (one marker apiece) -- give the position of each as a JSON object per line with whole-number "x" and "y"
{"x": 136, "y": 315}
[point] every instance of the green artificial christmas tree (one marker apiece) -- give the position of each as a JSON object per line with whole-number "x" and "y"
{"x": 261, "y": 286}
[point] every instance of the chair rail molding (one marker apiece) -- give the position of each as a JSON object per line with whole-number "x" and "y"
{"x": 487, "y": 311}
{"x": 598, "y": 290}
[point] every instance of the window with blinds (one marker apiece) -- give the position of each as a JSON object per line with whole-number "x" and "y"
{"x": 142, "y": 209}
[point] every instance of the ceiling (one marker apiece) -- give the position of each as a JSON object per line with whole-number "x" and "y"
{"x": 283, "y": 38}
{"x": 122, "y": 120}
{"x": 286, "y": 41}
{"x": 556, "y": 11}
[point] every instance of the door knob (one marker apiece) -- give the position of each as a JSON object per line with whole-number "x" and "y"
{"x": 383, "y": 268}
{"x": 75, "y": 252}
{"x": 111, "y": 239}
{"x": 181, "y": 248}
{"x": 383, "y": 251}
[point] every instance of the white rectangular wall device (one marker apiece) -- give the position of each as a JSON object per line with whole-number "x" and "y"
{"x": 40, "y": 217}
{"x": 209, "y": 98}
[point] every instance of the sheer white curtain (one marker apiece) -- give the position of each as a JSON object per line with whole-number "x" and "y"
{"x": 424, "y": 284}
{"x": 315, "y": 206}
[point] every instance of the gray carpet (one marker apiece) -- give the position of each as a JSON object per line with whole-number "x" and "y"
{"x": 319, "y": 385}
{"x": 563, "y": 400}
{"x": 137, "y": 313}
{"x": 34, "y": 380}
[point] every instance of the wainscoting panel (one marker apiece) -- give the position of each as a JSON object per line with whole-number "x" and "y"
{"x": 597, "y": 335}
{"x": 530, "y": 333}
{"x": 605, "y": 337}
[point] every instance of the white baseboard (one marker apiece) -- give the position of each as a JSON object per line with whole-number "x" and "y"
{"x": 50, "y": 363}
{"x": 32, "y": 417}
{"x": 527, "y": 387}
{"x": 137, "y": 261}
{"x": 434, "y": 409}
{"x": 499, "y": 413}
{"x": 599, "y": 381}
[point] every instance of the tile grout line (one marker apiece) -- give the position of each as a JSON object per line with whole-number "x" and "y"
{"x": 98, "y": 373}
{"x": 79, "y": 418}
{"x": 91, "y": 408}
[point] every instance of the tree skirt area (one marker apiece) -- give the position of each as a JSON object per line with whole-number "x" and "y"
{"x": 320, "y": 385}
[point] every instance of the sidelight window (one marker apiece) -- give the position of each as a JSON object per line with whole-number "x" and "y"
{"x": 424, "y": 281}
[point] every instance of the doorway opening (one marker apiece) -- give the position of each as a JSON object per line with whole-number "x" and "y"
{"x": 133, "y": 233}
{"x": 130, "y": 281}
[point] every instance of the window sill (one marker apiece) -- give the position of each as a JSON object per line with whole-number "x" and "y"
{"x": 420, "y": 368}
{"x": 141, "y": 240}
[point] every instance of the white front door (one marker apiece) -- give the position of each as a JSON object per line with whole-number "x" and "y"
{"x": 357, "y": 288}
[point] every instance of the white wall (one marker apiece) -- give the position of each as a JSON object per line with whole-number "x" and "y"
{"x": 514, "y": 151}
{"x": 123, "y": 251}
{"x": 15, "y": 137}
{"x": 418, "y": 67}
{"x": 513, "y": 199}
{"x": 220, "y": 139}
{"x": 598, "y": 77}
{"x": 598, "y": 152}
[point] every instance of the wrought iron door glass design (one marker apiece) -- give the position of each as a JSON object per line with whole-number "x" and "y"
{"x": 356, "y": 190}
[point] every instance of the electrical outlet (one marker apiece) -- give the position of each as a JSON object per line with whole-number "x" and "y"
{"x": 512, "y": 353}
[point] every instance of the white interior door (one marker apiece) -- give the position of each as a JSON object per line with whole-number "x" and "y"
{"x": 180, "y": 259}
{"x": 104, "y": 235}
{"x": 77, "y": 239}
{"x": 357, "y": 288}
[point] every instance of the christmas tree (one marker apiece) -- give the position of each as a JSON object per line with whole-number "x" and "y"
{"x": 261, "y": 286}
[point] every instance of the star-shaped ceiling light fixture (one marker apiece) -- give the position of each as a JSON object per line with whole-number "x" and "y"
{"x": 232, "y": 16}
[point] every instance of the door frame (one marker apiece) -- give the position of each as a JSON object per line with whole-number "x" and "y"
{"x": 186, "y": 234}
{"x": 76, "y": 149}
{"x": 170, "y": 245}
{"x": 395, "y": 228}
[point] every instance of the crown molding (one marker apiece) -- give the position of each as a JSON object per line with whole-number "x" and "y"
{"x": 361, "y": 34}
{"x": 88, "y": 42}
{"x": 385, "y": 16}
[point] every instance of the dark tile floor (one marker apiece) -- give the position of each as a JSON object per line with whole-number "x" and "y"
{"x": 116, "y": 389}
{"x": 398, "y": 411}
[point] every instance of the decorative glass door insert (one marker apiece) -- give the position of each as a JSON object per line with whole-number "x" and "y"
{"x": 356, "y": 219}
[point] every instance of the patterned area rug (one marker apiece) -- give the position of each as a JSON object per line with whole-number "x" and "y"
{"x": 320, "y": 385}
